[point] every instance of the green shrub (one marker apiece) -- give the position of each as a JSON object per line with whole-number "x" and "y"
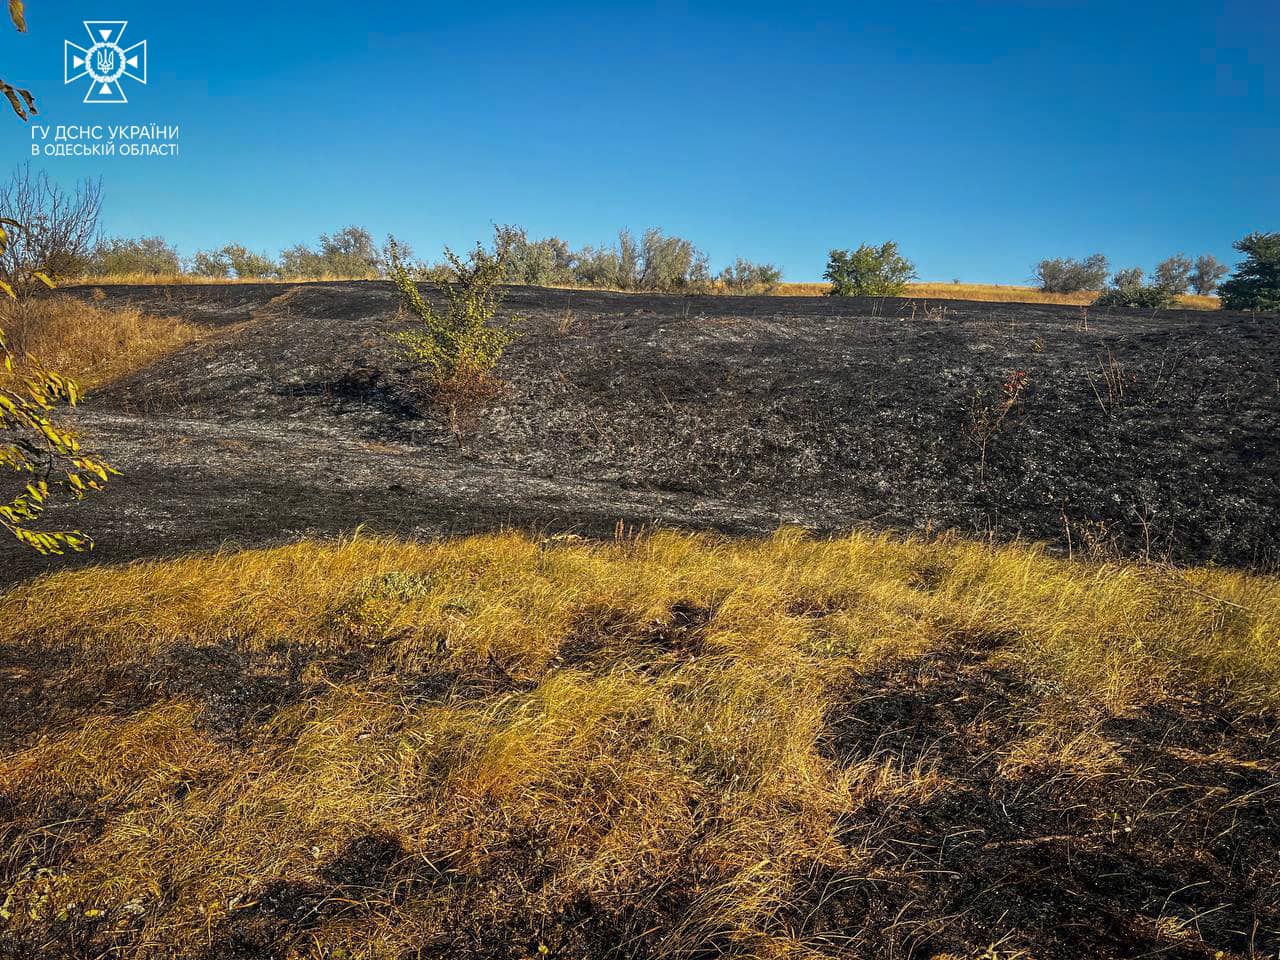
{"x": 1256, "y": 283}
{"x": 121, "y": 256}
{"x": 671, "y": 263}
{"x": 1128, "y": 289}
{"x": 869, "y": 271}
{"x": 458, "y": 348}
{"x": 248, "y": 265}
{"x": 211, "y": 263}
{"x": 747, "y": 277}
{"x": 1067, "y": 275}
{"x": 539, "y": 263}
{"x": 350, "y": 252}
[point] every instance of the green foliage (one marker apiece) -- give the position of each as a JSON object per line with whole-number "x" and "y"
{"x": 376, "y": 601}
{"x": 1128, "y": 289}
{"x": 1207, "y": 273}
{"x": 144, "y": 255}
{"x": 747, "y": 277}
{"x": 46, "y": 457}
{"x": 671, "y": 263}
{"x": 1068, "y": 275}
{"x": 211, "y": 263}
{"x": 1256, "y": 282}
{"x": 350, "y": 252}
{"x": 540, "y": 263}
{"x": 459, "y": 347}
{"x": 1174, "y": 275}
{"x": 869, "y": 271}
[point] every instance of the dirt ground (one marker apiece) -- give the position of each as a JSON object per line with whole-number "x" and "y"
{"x": 1149, "y": 435}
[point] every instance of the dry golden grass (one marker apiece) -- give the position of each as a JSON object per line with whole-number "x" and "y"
{"x": 89, "y": 343}
{"x": 188, "y": 279}
{"x": 990, "y": 292}
{"x": 508, "y": 730}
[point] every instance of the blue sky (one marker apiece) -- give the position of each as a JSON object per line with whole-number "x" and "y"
{"x": 981, "y": 136}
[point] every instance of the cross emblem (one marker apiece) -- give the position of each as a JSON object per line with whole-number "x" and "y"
{"x": 105, "y": 62}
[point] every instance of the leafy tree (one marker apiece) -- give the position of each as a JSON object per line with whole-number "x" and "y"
{"x": 1207, "y": 273}
{"x": 1256, "y": 282}
{"x": 350, "y": 252}
{"x": 747, "y": 277}
{"x": 246, "y": 264}
{"x": 1067, "y": 275}
{"x": 151, "y": 256}
{"x": 671, "y": 263}
{"x": 869, "y": 271}
{"x": 1174, "y": 275}
{"x": 536, "y": 262}
{"x": 211, "y": 263}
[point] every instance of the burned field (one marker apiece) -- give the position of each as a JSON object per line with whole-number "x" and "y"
{"x": 1150, "y": 435}
{"x": 690, "y": 733}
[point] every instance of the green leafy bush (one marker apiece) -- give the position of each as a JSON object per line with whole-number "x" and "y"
{"x": 459, "y": 347}
{"x": 350, "y": 252}
{"x": 1128, "y": 289}
{"x": 539, "y": 263}
{"x": 1068, "y": 275}
{"x": 869, "y": 271}
{"x": 1256, "y": 283}
{"x": 149, "y": 256}
{"x": 211, "y": 263}
{"x": 747, "y": 277}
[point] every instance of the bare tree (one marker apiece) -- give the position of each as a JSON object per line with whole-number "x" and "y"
{"x": 58, "y": 227}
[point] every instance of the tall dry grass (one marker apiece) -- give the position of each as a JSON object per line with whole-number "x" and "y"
{"x": 989, "y": 292}
{"x": 90, "y": 343}
{"x": 522, "y": 728}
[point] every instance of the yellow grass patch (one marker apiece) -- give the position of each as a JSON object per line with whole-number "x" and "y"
{"x": 510, "y": 727}
{"x": 89, "y": 343}
{"x": 991, "y": 292}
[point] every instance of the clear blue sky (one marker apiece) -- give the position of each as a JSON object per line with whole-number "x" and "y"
{"x": 980, "y": 135}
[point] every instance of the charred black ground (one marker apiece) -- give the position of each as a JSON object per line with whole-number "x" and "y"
{"x": 733, "y": 413}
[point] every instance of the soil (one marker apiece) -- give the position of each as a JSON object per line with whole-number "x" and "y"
{"x": 296, "y": 416}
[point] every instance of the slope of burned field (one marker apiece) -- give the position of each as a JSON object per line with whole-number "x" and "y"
{"x": 1140, "y": 433}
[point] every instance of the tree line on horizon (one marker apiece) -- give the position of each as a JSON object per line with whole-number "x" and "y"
{"x": 65, "y": 242}
{"x": 651, "y": 261}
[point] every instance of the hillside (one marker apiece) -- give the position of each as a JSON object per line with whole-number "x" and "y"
{"x": 293, "y": 415}
{"x": 656, "y": 719}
